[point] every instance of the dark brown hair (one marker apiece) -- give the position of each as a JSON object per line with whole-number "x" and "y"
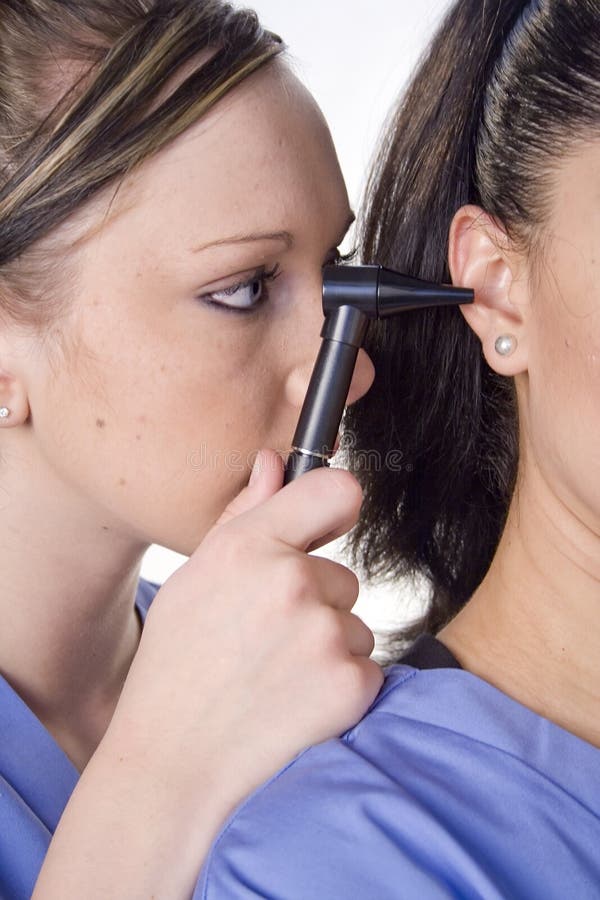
{"x": 79, "y": 85}
{"x": 504, "y": 90}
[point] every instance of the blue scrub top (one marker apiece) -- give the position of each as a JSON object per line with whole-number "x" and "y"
{"x": 447, "y": 788}
{"x": 36, "y": 781}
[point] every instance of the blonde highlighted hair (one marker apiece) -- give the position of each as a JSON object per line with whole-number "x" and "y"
{"x": 79, "y": 83}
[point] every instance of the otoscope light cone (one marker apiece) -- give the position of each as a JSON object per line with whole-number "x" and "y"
{"x": 379, "y": 292}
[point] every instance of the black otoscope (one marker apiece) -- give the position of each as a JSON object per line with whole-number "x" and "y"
{"x": 352, "y": 297}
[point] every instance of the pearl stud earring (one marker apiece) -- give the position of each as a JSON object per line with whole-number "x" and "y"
{"x": 506, "y": 345}
{"x": 4, "y": 412}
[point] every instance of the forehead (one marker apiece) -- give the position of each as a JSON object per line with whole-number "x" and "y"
{"x": 263, "y": 153}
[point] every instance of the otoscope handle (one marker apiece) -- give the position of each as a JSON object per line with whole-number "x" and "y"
{"x": 343, "y": 333}
{"x": 299, "y": 463}
{"x": 323, "y": 409}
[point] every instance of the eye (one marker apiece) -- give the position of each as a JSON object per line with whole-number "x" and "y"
{"x": 240, "y": 296}
{"x": 245, "y": 296}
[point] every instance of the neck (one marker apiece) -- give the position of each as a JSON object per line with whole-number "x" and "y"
{"x": 67, "y": 597}
{"x": 532, "y": 629}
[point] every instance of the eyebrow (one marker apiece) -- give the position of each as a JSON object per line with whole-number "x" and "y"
{"x": 283, "y": 236}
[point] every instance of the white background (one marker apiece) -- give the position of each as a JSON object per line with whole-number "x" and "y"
{"x": 354, "y": 57}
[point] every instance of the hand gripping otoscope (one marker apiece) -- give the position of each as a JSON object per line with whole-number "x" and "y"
{"x": 352, "y": 297}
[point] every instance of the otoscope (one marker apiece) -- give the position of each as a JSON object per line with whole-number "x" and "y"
{"x": 353, "y": 296}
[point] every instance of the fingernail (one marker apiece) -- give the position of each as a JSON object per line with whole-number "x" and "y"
{"x": 255, "y": 470}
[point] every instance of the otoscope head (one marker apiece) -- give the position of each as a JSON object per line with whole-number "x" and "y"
{"x": 379, "y": 292}
{"x": 351, "y": 296}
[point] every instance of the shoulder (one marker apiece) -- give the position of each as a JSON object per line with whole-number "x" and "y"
{"x": 352, "y": 815}
{"x": 444, "y": 780}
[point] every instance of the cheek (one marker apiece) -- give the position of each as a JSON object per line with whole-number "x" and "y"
{"x": 157, "y": 427}
{"x": 563, "y": 405}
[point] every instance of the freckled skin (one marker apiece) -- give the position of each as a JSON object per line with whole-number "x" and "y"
{"x": 190, "y": 381}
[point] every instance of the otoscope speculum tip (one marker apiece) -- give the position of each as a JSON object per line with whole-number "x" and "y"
{"x": 379, "y": 292}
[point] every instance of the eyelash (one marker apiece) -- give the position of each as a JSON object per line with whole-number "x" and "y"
{"x": 340, "y": 258}
{"x": 266, "y": 278}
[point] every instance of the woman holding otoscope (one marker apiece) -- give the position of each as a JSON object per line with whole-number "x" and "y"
{"x": 129, "y": 197}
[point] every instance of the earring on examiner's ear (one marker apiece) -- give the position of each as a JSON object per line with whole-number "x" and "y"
{"x": 505, "y": 345}
{"x": 4, "y": 412}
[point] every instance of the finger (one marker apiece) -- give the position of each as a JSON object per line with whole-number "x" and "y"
{"x": 269, "y": 469}
{"x": 338, "y": 586}
{"x": 371, "y": 677}
{"x": 326, "y": 539}
{"x": 359, "y": 637}
{"x": 322, "y": 502}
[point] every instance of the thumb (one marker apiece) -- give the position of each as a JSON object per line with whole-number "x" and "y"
{"x": 266, "y": 479}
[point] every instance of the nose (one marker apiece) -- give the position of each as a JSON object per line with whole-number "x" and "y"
{"x": 362, "y": 380}
{"x": 304, "y": 337}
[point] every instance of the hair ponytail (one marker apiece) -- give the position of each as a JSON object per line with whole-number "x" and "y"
{"x": 462, "y": 134}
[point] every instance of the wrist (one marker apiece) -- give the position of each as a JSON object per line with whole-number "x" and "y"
{"x": 196, "y": 784}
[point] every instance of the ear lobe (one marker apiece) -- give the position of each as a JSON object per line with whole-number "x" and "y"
{"x": 480, "y": 258}
{"x": 13, "y": 397}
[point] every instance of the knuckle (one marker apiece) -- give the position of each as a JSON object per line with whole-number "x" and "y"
{"x": 361, "y": 682}
{"x": 346, "y": 583}
{"x": 347, "y": 682}
{"x": 330, "y": 635}
{"x": 353, "y": 585}
{"x": 296, "y": 580}
{"x": 354, "y": 680}
{"x": 374, "y": 678}
{"x": 364, "y": 635}
{"x": 369, "y": 641}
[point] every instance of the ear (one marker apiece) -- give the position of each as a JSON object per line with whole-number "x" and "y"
{"x": 13, "y": 397}
{"x": 15, "y": 374}
{"x": 480, "y": 258}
